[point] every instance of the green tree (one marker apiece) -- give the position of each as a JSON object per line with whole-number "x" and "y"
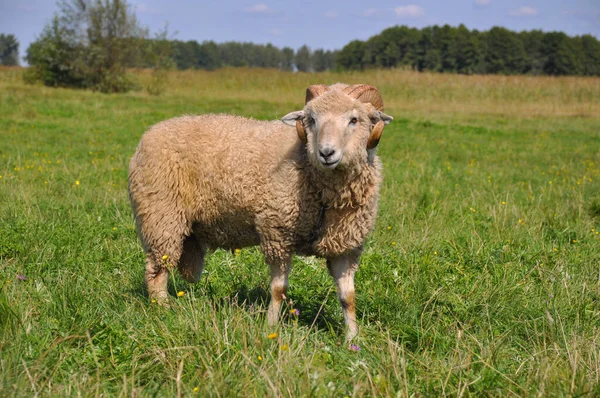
{"x": 591, "y": 55}
{"x": 505, "y": 52}
{"x": 186, "y": 54}
{"x": 351, "y": 56}
{"x": 9, "y": 50}
{"x": 564, "y": 56}
{"x": 467, "y": 50}
{"x": 428, "y": 57}
{"x": 208, "y": 56}
{"x": 54, "y": 58}
{"x": 88, "y": 45}
{"x": 287, "y": 59}
{"x": 303, "y": 59}
{"x": 533, "y": 42}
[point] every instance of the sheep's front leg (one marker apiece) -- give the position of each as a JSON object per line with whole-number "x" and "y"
{"x": 280, "y": 271}
{"x": 342, "y": 270}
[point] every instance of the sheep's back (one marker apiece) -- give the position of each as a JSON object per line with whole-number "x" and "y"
{"x": 220, "y": 170}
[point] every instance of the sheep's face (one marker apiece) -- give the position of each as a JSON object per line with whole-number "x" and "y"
{"x": 337, "y": 130}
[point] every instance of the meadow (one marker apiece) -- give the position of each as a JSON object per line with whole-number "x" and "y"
{"x": 481, "y": 278}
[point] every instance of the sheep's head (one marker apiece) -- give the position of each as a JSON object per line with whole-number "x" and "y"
{"x": 340, "y": 124}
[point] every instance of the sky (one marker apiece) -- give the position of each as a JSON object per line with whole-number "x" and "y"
{"x": 327, "y": 24}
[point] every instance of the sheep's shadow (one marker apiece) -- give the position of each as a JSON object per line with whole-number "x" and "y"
{"x": 313, "y": 312}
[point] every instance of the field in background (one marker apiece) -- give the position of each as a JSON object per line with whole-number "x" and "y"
{"x": 482, "y": 276}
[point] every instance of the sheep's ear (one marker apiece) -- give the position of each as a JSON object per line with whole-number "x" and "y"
{"x": 377, "y": 116}
{"x": 290, "y": 118}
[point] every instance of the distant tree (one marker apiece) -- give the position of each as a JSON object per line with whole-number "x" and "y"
{"x": 208, "y": 56}
{"x": 445, "y": 42}
{"x": 533, "y": 42}
{"x": 303, "y": 59}
{"x": 323, "y": 60}
{"x": 287, "y": 59}
{"x": 159, "y": 54}
{"x": 186, "y": 54}
{"x": 351, "y": 56}
{"x": 428, "y": 57}
{"x": 232, "y": 54}
{"x": 330, "y": 57}
{"x": 9, "y": 50}
{"x": 505, "y": 52}
{"x": 564, "y": 56}
{"x": 467, "y": 50}
{"x": 88, "y": 45}
{"x": 591, "y": 56}
{"x": 55, "y": 58}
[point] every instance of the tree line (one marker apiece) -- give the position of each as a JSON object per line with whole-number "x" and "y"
{"x": 444, "y": 49}
{"x": 91, "y": 43}
{"x": 460, "y": 50}
{"x": 210, "y": 55}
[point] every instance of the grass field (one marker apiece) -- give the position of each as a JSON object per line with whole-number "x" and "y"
{"x": 482, "y": 276}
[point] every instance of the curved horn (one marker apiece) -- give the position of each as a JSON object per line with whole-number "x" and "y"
{"x": 314, "y": 91}
{"x": 365, "y": 93}
{"x": 375, "y": 135}
{"x": 301, "y": 132}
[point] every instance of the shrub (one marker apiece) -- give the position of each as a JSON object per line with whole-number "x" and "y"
{"x": 88, "y": 45}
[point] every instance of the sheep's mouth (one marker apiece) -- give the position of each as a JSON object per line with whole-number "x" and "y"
{"x": 330, "y": 164}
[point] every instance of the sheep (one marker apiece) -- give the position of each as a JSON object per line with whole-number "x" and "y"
{"x": 222, "y": 181}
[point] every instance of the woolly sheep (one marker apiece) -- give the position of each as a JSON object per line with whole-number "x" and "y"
{"x": 221, "y": 181}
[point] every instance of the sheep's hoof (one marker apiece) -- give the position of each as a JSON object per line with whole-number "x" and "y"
{"x": 162, "y": 300}
{"x": 350, "y": 335}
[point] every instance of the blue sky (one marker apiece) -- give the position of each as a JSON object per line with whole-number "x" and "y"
{"x": 320, "y": 23}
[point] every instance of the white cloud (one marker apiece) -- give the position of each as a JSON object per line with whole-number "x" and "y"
{"x": 524, "y": 11}
{"x": 260, "y": 8}
{"x": 409, "y": 11}
{"x": 482, "y": 2}
{"x": 330, "y": 14}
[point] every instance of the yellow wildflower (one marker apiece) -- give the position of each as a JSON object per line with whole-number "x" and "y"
{"x": 76, "y": 182}
{"x": 259, "y": 358}
{"x": 196, "y": 389}
{"x": 284, "y": 347}
{"x": 503, "y": 202}
{"x": 272, "y": 335}
{"x": 165, "y": 257}
{"x": 180, "y": 294}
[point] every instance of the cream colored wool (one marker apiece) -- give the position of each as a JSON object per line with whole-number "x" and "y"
{"x": 221, "y": 181}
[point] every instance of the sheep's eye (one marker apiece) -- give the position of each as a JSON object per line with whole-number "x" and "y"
{"x": 310, "y": 120}
{"x": 353, "y": 121}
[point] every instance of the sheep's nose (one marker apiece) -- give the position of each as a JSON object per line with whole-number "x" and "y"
{"x": 326, "y": 152}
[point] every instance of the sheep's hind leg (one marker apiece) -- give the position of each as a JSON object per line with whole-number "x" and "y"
{"x": 280, "y": 271}
{"x": 191, "y": 263}
{"x": 342, "y": 270}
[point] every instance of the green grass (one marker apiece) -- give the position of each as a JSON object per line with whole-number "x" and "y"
{"x": 482, "y": 276}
